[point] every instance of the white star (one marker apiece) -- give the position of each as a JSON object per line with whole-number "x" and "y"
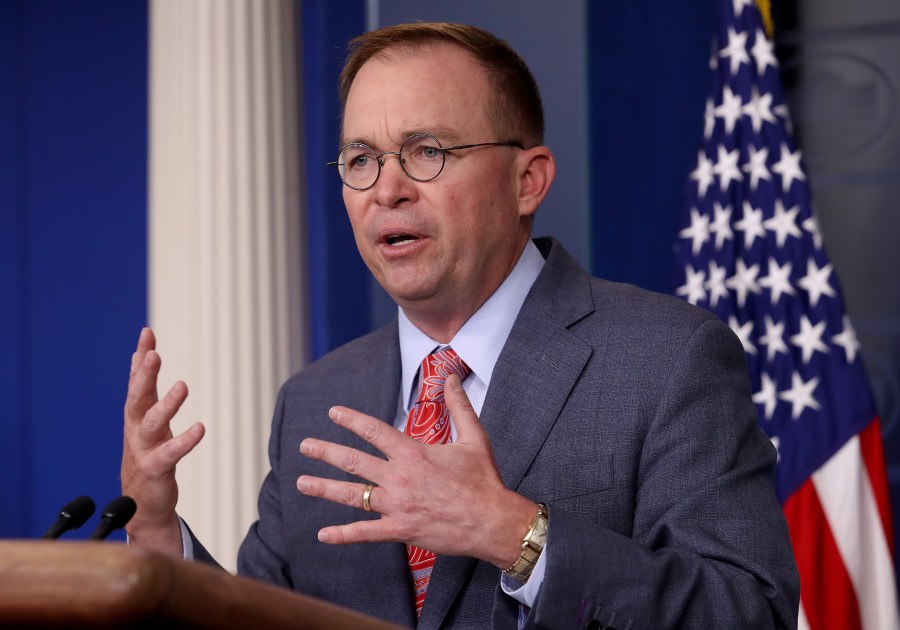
{"x": 739, "y": 6}
{"x": 784, "y": 223}
{"x": 811, "y": 225}
{"x": 778, "y": 281}
{"x": 716, "y": 283}
{"x": 721, "y": 225}
{"x": 773, "y": 339}
{"x": 736, "y": 49}
{"x": 709, "y": 119}
{"x": 698, "y": 232}
{"x": 782, "y": 112}
{"x": 800, "y": 395}
{"x": 743, "y": 333}
{"x": 759, "y": 109}
{"x": 847, "y": 340}
{"x": 726, "y": 167}
{"x": 751, "y": 225}
{"x": 693, "y": 286}
{"x": 743, "y": 281}
{"x": 756, "y": 165}
{"x": 767, "y": 396}
{"x": 762, "y": 52}
{"x": 809, "y": 339}
{"x": 703, "y": 174}
{"x": 789, "y": 167}
{"x": 730, "y": 109}
{"x": 815, "y": 282}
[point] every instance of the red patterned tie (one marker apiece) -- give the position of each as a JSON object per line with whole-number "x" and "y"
{"x": 429, "y": 422}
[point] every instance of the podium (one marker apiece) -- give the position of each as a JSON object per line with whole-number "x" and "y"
{"x": 47, "y": 584}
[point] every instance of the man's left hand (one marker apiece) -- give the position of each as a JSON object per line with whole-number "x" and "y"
{"x": 446, "y": 498}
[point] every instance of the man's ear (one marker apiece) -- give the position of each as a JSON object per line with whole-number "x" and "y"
{"x": 537, "y": 168}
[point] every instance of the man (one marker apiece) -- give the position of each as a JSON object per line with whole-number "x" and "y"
{"x": 604, "y": 466}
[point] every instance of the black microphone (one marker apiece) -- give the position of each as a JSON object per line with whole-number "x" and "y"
{"x": 72, "y": 516}
{"x": 115, "y": 515}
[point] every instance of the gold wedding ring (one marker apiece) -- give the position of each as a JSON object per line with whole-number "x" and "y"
{"x": 367, "y": 495}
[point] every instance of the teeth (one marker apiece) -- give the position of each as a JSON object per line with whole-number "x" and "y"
{"x": 399, "y": 239}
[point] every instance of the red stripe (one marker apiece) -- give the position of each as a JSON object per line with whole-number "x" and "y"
{"x": 873, "y": 456}
{"x": 826, "y": 592}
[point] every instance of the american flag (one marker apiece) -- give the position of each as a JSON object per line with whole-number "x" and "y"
{"x": 751, "y": 252}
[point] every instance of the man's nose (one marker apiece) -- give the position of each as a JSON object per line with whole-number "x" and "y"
{"x": 393, "y": 185}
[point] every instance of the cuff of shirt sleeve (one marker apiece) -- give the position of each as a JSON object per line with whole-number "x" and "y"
{"x": 526, "y": 594}
{"x": 186, "y": 546}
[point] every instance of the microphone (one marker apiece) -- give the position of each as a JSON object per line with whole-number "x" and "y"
{"x": 115, "y": 516}
{"x": 72, "y": 516}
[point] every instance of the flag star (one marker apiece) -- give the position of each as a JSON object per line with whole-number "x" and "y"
{"x": 721, "y": 225}
{"x": 847, "y": 340}
{"x": 789, "y": 167}
{"x": 716, "y": 283}
{"x": 693, "y": 286}
{"x": 730, "y": 109}
{"x": 767, "y": 396}
{"x": 778, "y": 281}
{"x": 800, "y": 395}
{"x": 698, "y": 231}
{"x": 726, "y": 167}
{"x": 809, "y": 339}
{"x": 744, "y": 333}
{"x": 709, "y": 119}
{"x": 739, "y": 6}
{"x": 756, "y": 165}
{"x": 703, "y": 174}
{"x": 736, "y": 49}
{"x": 815, "y": 282}
{"x": 763, "y": 53}
{"x": 751, "y": 225}
{"x": 811, "y": 225}
{"x": 773, "y": 339}
{"x": 759, "y": 109}
{"x": 782, "y": 112}
{"x": 743, "y": 281}
{"x": 784, "y": 223}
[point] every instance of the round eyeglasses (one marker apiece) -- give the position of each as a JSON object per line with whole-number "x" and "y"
{"x": 421, "y": 158}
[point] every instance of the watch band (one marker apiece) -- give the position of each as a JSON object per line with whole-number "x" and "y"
{"x": 532, "y": 546}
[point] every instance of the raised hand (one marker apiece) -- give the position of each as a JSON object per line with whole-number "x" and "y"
{"x": 448, "y": 498}
{"x": 151, "y": 451}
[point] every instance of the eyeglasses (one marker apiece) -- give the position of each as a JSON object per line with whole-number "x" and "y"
{"x": 421, "y": 158}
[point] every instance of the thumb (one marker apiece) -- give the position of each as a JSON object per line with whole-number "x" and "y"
{"x": 468, "y": 426}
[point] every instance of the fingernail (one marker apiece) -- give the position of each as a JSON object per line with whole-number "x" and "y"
{"x": 454, "y": 382}
{"x": 334, "y": 413}
{"x": 302, "y": 485}
{"x": 324, "y": 536}
{"x": 304, "y": 448}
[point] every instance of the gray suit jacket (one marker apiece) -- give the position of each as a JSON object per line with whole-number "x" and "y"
{"x": 628, "y": 413}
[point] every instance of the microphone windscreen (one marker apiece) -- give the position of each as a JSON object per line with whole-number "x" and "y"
{"x": 78, "y": 511}
{"x": 119, "y": 512}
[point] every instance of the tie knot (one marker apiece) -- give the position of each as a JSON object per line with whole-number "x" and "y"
{"x": 436, "y": 367}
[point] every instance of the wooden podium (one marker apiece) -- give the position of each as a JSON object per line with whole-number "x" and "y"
{"x": 45, "y": 584}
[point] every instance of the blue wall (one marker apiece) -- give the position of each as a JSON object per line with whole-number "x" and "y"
{"x": 73, "y": 162}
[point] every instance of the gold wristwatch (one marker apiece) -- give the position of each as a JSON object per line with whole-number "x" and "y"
{"x": 532, "y": 546}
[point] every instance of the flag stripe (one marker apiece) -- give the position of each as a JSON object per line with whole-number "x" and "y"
{"x": 873, "y": 454}
{"x": 848, "y": 502}
{"x": 826, "y": 592}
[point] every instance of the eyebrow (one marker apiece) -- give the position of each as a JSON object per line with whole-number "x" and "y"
{"x": 445, "y": 135}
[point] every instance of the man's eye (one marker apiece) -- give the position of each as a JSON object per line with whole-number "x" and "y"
{"x": 359, "y": 161}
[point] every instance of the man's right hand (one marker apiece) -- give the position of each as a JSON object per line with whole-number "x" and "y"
{"x": 151, "y": 452}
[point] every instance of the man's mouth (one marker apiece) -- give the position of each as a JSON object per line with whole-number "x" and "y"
{"x": 399, "y": 239}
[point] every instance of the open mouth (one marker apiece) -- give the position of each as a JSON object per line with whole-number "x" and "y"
{"x": 399, "y": 239}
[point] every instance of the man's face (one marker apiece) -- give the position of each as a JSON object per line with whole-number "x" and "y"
{"x": 443, "y": 246}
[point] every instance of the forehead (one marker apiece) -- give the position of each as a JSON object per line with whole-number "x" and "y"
{"x": 430, "y": 88}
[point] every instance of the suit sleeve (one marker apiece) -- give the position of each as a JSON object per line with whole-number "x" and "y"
{"x": 709, "y": 545}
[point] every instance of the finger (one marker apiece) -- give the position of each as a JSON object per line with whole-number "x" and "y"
{"x": 344, "y": 458}
{"x": 361, "y": 531}
{"x": 163, "y": 459}
{"x": 343, "y": 492}
{"x": 146, "y": 341}
{"x": 379, "y": 434}
{"x": 155, "y": 425}
{"x": 142, "y": 388}
{"x": 468, "y": 426}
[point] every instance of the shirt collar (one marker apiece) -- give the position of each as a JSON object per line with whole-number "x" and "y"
{"x": 481, "y": 339}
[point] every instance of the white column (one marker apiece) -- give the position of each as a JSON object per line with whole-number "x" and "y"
{"x": 226, "y": 228}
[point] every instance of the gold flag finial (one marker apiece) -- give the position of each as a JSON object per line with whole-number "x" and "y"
{"x": 765, "y": 8}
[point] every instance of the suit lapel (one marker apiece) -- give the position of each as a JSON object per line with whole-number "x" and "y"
{"x": 537, "y": 369}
